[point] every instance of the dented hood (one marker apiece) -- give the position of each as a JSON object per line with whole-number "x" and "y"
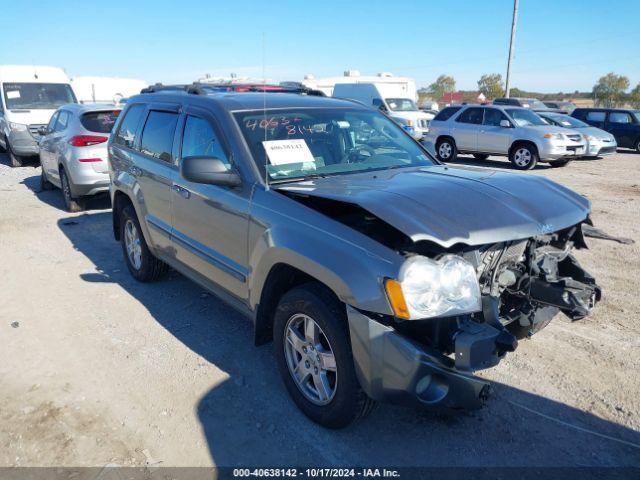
{"x": 450, "y": 205}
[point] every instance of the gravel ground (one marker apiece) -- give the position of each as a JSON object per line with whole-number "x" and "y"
{"x": 97, "y": 369}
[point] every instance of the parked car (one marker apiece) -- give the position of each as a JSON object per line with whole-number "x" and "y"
{"x": 379, "y": 274}
{"x": 29, "y": 96}
{"x": 599, "y": 142}
{"x": 391, "y": 99}
{"x": 567, "y": 107}
{"x": 73, "y": 151}
{"x": 515, "y": 132}
{"x": 623, "y": 124}
{"x": 532, "y": 103}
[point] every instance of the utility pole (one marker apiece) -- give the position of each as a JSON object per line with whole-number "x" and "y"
{"x": 514, "y": 23}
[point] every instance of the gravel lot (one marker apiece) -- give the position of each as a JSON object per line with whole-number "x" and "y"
{"x": 98, "y": 369}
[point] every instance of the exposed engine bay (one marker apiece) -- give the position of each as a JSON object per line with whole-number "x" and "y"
{"x": 524, "y": 284}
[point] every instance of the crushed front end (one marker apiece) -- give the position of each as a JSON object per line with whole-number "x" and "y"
{"x": 523, "y": 285}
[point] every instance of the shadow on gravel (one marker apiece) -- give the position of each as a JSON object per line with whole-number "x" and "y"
{"x": 54, "y": 197}
{"x": 249, "y": 419}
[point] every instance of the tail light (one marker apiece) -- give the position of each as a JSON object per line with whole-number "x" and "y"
{"x": 89, "y": 160}
{"x": 87, "y": 140}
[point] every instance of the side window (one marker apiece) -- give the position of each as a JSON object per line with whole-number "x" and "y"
{"x": 200, "y": 140}
{"x": 63, "y": 120}
{"x": 471, "y": 115}
{"x": 126, "y": 135}
{"x": 492, "y": 117}
{"x": 619, "y": 117}
{"x": 446, "y": 113}
{"x": 52, "y": 122}
{"x": 596, "y": 116}
{"x": 157, "y": 135}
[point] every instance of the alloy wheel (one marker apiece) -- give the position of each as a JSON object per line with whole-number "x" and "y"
{"x": 445, "y": 150}
{"x": 310, "y": 359}
{"x": 522, "y": 157}
{"x": 132, "y": 243}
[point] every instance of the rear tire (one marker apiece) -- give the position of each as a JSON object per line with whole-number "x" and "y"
{"x": 446, "y": 150}
{"x": 347, "y": 401}
{"x": 14, "y": 159}
{"x": 558, "y": 163}
{"x": 638, "y": 146}
{"x": 142, "y": 264}
{"x": 71, "y": 203}
{"x": 480, "y": 156}
{"x": 523, "y": 156}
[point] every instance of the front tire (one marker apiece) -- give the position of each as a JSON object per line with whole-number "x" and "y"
{"x": 446, "y": 150}
{"x": 142, "y": 264}
{"x": 72, "y": 204}
{"x": 14, "y": 159}
{"x": 45, "y": 185}
{"x": 524, "y": 156}
{"x": 313, "y": 351}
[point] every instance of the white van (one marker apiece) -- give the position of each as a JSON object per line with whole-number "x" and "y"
{"x": 29, "y": 96}
{"x": 391, "y": 99}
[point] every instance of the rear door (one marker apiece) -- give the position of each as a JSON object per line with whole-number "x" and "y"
{"x": 210, "y": 222}
{"x": 623, "y": 127}
{"x": 493, "y": 138}
{"x": 466, "y": 128}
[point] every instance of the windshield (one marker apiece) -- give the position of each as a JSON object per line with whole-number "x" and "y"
{"x": 566, "y": 121}
{"x": 37, "y": 96}
{"x": 524, "y": 118}
{"x": 401, "y": 104}
{"x": 327, "y": 141}
{"x": 535, "y": 104}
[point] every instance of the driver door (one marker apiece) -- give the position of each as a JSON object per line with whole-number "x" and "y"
{"x": 492, "y": 137}
{"x": 211, "y": 222}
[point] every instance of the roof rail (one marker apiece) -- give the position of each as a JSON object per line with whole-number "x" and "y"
{"x": 207, "y": 89}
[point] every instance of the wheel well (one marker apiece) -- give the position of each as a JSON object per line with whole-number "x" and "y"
{"x": 448, "y": 137}
{"x": 120, "y": 200}
{"x": 517, "y": 143}
{"x": 280, "y": 280}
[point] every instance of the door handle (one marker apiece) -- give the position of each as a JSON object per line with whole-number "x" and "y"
{"x": 135, "y": 171}
{"x": 183, "y": 192}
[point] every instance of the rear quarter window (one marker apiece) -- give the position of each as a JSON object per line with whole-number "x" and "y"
{"x": 126, "y": 135}
{"x": 446, "y": 113}
{"x": 99, "y": 122}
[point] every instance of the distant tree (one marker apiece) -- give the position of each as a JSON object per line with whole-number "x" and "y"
{"x": 516, "y": 92}
{"x": 609, "y": 91}
{"x": 490, "y": 84}
{"x": 634, "y": 97}
{"x": 443, "y": 84}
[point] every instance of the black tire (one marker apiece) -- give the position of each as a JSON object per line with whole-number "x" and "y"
{"x": 349, "y": 401}
{"x": 71, "y": 203}
{"x": 524, "y": 156}
{"x": 446, "y": 149}
{"x": 558, "y": 163}
{"x": 14, "y": 159}
{"x": 45, "y": 185}
{"x": 150, "y": 268}
{"x": 3, "y": 149}
{"x": 480, "y": 156}
{"x": 638, "y": 146}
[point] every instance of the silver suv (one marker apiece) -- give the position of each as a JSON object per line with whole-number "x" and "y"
{"x": 378, "y": 273}
{"x": 516, "y": 132}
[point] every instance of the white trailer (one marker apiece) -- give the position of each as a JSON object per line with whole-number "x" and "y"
{"x": 106, "y": 89}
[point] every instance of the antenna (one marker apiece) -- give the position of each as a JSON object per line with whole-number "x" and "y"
{"x": 264, "y": 113}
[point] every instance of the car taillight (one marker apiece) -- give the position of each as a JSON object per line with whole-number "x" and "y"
{"x": 87, "y": 140}
{"x": 89, "y": 160}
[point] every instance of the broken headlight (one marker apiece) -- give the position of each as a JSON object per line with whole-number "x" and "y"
{"x": 433, "y": 288}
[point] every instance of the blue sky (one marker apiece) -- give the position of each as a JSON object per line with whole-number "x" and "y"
{"x": 561, "y": 45}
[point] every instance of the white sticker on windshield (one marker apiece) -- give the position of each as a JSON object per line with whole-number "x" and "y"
{"x": 13, "y": 94}
{"x": 282, "y": 152}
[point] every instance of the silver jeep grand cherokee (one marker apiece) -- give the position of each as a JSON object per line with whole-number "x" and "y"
{"x": 378, "y": 273}
{"x": 515, "y": 132}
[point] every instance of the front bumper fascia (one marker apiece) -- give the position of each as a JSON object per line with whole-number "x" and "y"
{"x": 22, "y": 143}
{"x": 392, "y": 368}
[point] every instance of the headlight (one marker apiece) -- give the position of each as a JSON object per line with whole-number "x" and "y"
{"x": 18, "y": 127}
{"x": 429, "y": 288}
{"x": 554, "y": 136}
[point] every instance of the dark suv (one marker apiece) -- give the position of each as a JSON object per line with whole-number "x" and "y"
{"x": 377, "y": 272}
{"x": 623, "y": 124}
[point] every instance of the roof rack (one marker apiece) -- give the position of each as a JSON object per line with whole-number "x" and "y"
{"x": 212, "y": 88}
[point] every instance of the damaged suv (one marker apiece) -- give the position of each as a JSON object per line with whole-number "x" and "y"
{"x": 378, "y": 273}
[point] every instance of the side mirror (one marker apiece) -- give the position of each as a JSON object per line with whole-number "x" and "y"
{"x": 505, "y": 123}
{"x": 210, "y": 170}
{"x": 43, "y": 131}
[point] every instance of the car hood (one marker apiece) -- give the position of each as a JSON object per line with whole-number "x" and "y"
{"x": 450, "y": 205}
{"x": 542, "y": 129}
{"x": 595, "y": 132}
{"x": 30, "y": 117}
{"x": 411, "y": 115}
